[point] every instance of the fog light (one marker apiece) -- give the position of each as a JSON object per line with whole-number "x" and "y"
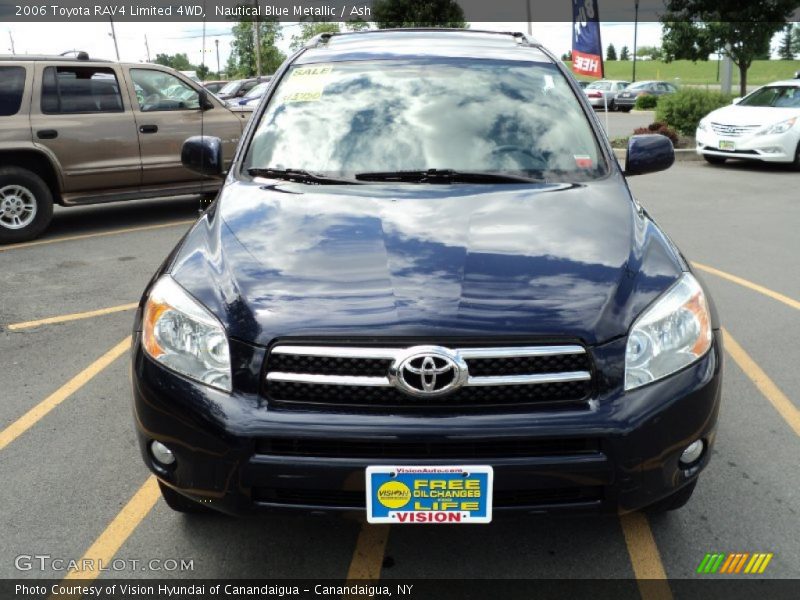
{"x": 162, "y": 454}
{"x": 692, "y": 453}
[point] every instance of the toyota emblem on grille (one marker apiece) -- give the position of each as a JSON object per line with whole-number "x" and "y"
{"x": 428, "y": 371}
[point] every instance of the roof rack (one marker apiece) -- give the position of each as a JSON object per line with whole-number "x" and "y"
{"x": 325, "y": 37}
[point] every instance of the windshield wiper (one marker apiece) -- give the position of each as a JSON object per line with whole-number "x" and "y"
{"x": 446, "y": 176}
{"x": 300, "y": 176}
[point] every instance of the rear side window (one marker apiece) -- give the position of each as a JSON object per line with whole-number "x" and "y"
{"x": 67, "y": 90}
{"x": 12, "y": 84}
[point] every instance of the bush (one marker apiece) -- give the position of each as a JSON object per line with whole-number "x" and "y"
{"x": 660, "y": 128}
{"x": 646, "y": 102}
{"x": 684, "y": 109}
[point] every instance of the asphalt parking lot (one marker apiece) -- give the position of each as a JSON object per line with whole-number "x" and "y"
{"x": 75, "y": 485}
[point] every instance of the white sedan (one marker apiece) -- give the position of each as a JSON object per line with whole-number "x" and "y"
{"x": 764, "y": 125}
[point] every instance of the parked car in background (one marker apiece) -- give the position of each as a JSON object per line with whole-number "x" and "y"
{"x": 252, "y": 97}
{"x": 214, "y": 86}
{"x": 76, "y": 131}
{"x": 626, "y": 99}
{"x": 763, "y": 126}
{"x": 602, "y": 94}
{"x": 388, "y": 294}
{"x": 238, "y": 88}
{"x": 583, "y": 83}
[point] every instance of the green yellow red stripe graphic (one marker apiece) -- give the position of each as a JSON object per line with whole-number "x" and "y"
{"x": 734, "y": 563}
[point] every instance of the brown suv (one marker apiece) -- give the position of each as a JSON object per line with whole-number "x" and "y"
{"x": 75, "y": 131}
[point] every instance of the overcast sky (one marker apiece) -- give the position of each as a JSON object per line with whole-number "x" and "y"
{"x": 171, "y": 38}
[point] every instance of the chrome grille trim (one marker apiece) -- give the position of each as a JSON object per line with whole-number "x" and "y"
{"x": 383, "y": 353}
{"x": 471, "y": 381}
{"x": 732, "y": 130}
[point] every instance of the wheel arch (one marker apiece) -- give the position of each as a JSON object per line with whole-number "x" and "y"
{"x": 38, "y": 163}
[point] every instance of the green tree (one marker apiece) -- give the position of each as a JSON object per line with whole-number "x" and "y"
{"x": 611, "y": 52}
{"x": 242, "y": 62}
{"x": 786, "y": 49}
{"x": 309, "y": 29}
{"x": 567, "y": 56}
{"x": 625, "y": 54}
{"x": 654, "y": 52}
{"x": 796, "y": 39}
{"x": 389, "y": 14}
{"x": 179, "y": 62}
{"x": 202, "y": 72}
{"x": 693, "y": 29}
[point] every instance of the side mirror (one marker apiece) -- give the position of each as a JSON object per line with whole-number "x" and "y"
{"x": 736, "y": 100}
{"x": 203, "y": 155}
{"x": 648, "y": 154}
{"x": 205, "y": 103}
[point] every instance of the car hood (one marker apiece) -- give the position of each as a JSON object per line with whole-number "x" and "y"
{"x": 751, "y": 115}
{"x": 285, "y": 259}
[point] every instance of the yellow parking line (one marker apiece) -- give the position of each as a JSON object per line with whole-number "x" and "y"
{"x": 750, "y": 285}
{"x": 72, "y": 317}
{"x": 71, "y": 238}
{"x": 765, "y": 385}
{"x": 368, "y": 555}
{"x": 645, "y": 558}
{"x": 118, "y": 531}
{"x": 34, "y": 415}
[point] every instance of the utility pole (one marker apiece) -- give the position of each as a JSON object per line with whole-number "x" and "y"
{"x": 216, "y": 43}
{"x": 635, "y": 32}
{"x": 12, "y": 42}
{"x": 147, "y": 47}
{"x": 257, "y": 46}
{"x": 528, "y": 7}
{"x": 114, "y": 35}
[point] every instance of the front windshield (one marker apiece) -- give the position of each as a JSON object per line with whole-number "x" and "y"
{"x": 230, "y": 87}
{"x": 471, "y": 115}
{"x": 776, "y": 96}
{"x": 257, "y": 91}
{"x": 638, "y": 86}
{"x": 599, "y": 85}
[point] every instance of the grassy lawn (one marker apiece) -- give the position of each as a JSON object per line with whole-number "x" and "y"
{"x": 699, "y": 73}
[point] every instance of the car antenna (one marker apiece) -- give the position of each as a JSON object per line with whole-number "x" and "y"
{"x": 202, "y": 99}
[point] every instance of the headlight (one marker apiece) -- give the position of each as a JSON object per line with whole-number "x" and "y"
{"x": 702, "y": 125}
{"x": 781, "y": 127}
{"x": 182, "y": 335}
{"x": 672, "y": 333}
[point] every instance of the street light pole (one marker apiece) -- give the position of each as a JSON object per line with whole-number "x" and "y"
{"x": 216, "y": 42}
{"x": 147, "y": 47}
{"x": 11, "y": 37}
{"x": 635, "y": 32}
{"x": 114, "y": 35}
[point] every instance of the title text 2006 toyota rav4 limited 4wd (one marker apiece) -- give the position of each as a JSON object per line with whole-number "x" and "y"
{"x": 426, "y": 292}
{"x": 79, "y": 131}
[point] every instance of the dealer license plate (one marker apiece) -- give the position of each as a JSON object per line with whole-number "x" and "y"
{"x": 429, "y": 494}
{"x": 727, "y": 145}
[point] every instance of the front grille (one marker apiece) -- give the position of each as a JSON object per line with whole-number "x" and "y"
{"x": 733, "y": 130}
{"x": 355, "y": 499}
{"x": 392, "y": 449}
{"x": 368, "y": 378}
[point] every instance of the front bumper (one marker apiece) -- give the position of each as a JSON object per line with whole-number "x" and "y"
{"x": 224, "y": 443}
{"x": 778, "y": 148}
{"x": 620, "y": 101}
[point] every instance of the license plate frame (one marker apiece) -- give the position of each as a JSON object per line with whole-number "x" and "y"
{"x": 445, "y": 494}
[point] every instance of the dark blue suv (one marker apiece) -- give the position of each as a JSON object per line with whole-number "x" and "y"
{"x": 425, "y": 291}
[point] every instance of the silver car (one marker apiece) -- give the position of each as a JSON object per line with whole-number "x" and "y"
{"x": 603, "y": 93}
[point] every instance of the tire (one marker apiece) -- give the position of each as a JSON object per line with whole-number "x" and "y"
{"x": 714, "y": 160}
{"x": 796, "y": 161}
{"x": 26, "y": 205}
{"x": 675, "y": 501}
{"x": 626, "y": 108}
{"x": 179, "y": 502}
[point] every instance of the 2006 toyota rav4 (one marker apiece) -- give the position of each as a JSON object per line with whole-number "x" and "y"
{"x": 426, "y": 291}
